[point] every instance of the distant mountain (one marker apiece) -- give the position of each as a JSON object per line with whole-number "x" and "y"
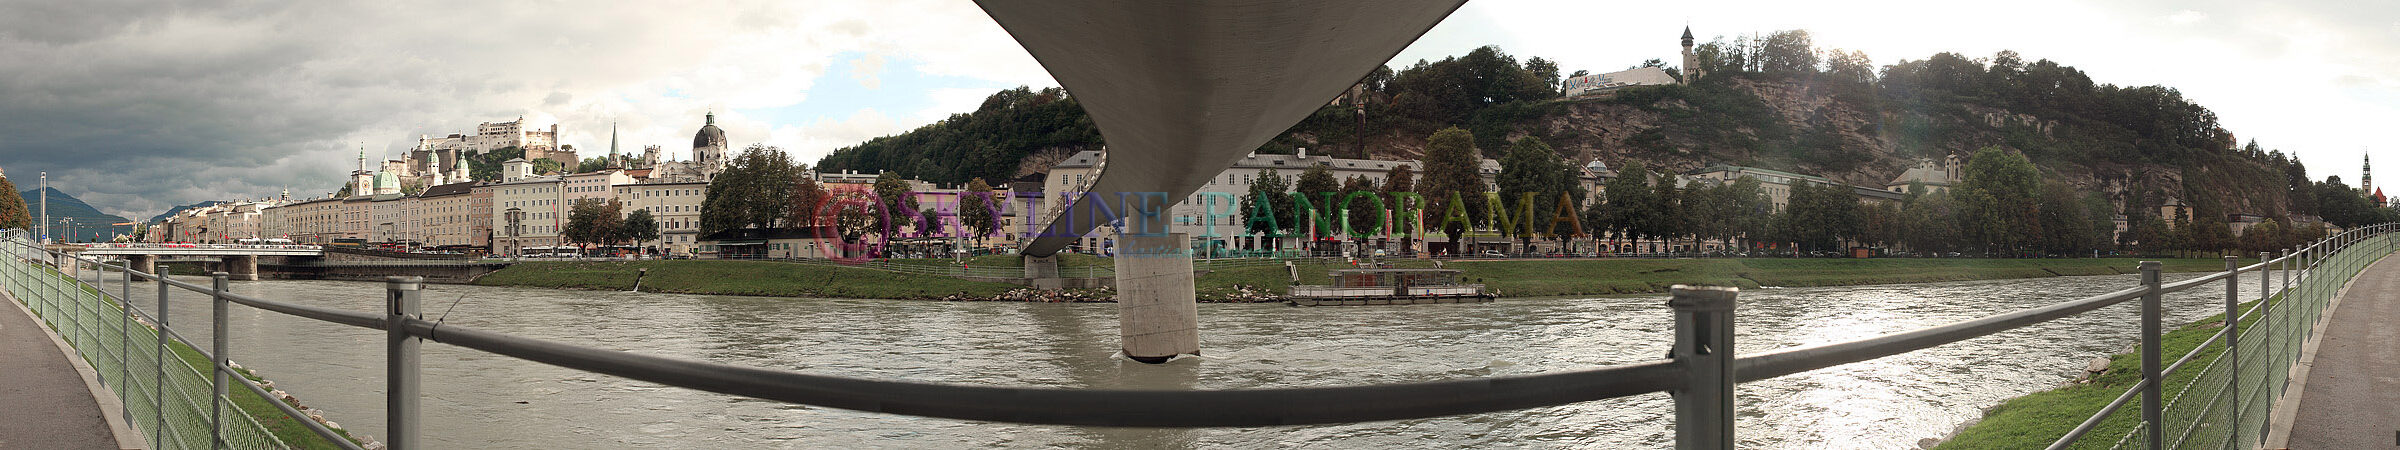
{"x": 172, "y": 211}
{"x": 73, "y": 220}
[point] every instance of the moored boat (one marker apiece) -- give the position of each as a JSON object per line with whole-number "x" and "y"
{"x": 1358, "y": 287}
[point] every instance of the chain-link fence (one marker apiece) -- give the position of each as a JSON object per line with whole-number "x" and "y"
{"x": 2220, "y": 392}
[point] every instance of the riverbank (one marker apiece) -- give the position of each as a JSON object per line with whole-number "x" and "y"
{"x": 1266, "y": 282}
{"x": 2037, "y": 419}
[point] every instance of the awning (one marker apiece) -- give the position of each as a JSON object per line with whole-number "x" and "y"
{"x": 742, "y": 242}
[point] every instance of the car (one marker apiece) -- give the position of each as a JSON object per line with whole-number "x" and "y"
{"x": 1493, "y": 254}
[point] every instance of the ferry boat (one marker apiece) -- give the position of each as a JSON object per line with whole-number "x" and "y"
{"x": 1355, "y": 287}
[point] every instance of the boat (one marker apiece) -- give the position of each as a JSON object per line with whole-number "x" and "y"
{"x": 1359, "y": 287}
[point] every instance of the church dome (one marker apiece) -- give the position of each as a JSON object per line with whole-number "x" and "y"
{"x": 709, "y": 135}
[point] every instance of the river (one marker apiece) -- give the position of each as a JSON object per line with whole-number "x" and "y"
{"x": 478, "y": 400}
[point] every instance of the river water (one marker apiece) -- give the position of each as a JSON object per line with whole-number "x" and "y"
{"x": 478, "y": 400}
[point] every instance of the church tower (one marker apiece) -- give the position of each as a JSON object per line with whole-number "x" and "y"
{"x": 362, "y": 181}
{"x": 708, "y": 148}
{"x": 2366, "y": 173}
{"x": 1691, "y": 61}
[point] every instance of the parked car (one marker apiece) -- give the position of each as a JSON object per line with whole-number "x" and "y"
{"x": 1493, "y": 254}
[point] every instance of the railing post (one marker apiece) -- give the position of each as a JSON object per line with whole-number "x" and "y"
{"x": 158, "y": 386}
{"x": 1704, "y": 347}
{"x": 2233, "y": 341}
{"x": 125, "y": 340}
{"x": 2153, "y": 425}
{"x": 219, "y": 311}
{"x": 400, "y": 361}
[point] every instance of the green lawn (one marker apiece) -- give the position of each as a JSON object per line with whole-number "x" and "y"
{"x": 2035, "y": 420}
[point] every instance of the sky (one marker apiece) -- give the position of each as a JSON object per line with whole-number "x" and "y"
{"x": 138, "y": 105}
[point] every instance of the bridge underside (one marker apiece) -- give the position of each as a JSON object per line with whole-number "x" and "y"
{"x": 1183, "y": 89}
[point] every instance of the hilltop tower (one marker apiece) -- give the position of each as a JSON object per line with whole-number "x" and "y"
{"x": 1691, "y": 61}
{"x": 2366, "y": 173}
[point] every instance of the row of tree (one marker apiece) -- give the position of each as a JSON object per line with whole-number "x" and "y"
{"x": 2002, "y": 207}
{"x": 595, "y": 222}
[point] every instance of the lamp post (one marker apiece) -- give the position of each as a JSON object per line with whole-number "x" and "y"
{"x": 44, "y": 191}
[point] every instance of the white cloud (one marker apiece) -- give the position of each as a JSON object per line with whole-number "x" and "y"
{"x": 2187, "y": 17}
{"x": 866, "y": 70}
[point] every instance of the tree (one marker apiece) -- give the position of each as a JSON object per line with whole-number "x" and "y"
{"x": 486, "y": 166}
{"x": 1531, "y": 168}
{"x": 1788, "y": 52}
{"x": 592, "y": 221}
{"x": 754, "y": 191}
{"x": 2064, "y": 225}
{"x": 1818, "y": 215}
{"x": 639, "y": 227}
{"x": 592, "y": 164}
{"x": 1266, "y": 210}
{"x": 1628, "y": 205}
{"x": 807, "y": 200}
{"x": 1453, "y": 170}
{"x": 547, "y": 166}
{"x": 2000, "y": 187}
{"x": 1929, "y": 222}
{"x": 898, "y": 202}
{"x": 13, "y": 214}
{"x": 975, "y": 209}
{"x": 1323, "y": 192}
{"x": 1364, "y": 215}
{"x": 1402, "y": 179}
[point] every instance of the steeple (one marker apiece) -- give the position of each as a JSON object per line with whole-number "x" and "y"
{"x": 712, "y": 118}
{"x": 612, "y": 140}
{"x": 2366, "y": 173}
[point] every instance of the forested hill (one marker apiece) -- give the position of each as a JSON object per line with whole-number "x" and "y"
{"x": 1772, "y": 101}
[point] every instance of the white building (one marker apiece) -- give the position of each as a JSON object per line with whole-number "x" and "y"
{"x": 527, "y": 212}
{"x": 674, "y": 206}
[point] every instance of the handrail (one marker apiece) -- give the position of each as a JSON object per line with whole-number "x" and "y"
{"x": 1793, "y": 360}
{"x": 1316, "y": 405}
{"x": 1095, "y": 407}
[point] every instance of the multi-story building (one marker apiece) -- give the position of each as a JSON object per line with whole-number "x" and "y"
{"x": 388, "y": 219}
{"x": 445, "y": 214}
{"x": 479, "y": 216}
{"x": 527, "y": 212}
{"x": 315, "y": 221}
{"x": 598, "y": 185}
{"x": 674, "y": 206}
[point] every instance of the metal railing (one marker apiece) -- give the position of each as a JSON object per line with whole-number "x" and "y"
{"x": 2224, "y": 410}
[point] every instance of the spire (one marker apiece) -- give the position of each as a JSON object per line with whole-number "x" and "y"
{"x": 712, "y": 117}
{"x": 362, "y": 156}
{"x": 612, "y": 139}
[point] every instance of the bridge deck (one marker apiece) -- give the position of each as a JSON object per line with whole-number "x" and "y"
{"x": 48, "y": 404}
{"x": 2351, "y": 397}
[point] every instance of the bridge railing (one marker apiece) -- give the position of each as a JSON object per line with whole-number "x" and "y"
{"x": 2220, "y": 403}
{"x": 171, "y": 246}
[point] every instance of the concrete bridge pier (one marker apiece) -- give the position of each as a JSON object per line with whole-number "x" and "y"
{"x": 241, "y": 267}
{"x": 1158, "y": 310}
{"x": 1043, "y": 271}
{"x": 143, "y": 263}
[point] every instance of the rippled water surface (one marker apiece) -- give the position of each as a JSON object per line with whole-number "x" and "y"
{"x": 477, "y": 400}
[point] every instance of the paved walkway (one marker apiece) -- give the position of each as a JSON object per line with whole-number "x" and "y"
{"x": 2351, "y": 399}
{"x": 47, "y": 404}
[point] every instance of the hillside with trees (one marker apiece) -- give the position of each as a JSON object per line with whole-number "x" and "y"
{"x": 1773, "y": 101}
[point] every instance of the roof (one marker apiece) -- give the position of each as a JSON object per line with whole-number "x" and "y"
{"x": 1926, "y": 173}
{"x": 709, "y": 134}
{"x": 449, "y": 190}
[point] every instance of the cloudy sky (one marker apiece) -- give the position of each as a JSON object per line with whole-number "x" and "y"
{"x": 139, "y": 105}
